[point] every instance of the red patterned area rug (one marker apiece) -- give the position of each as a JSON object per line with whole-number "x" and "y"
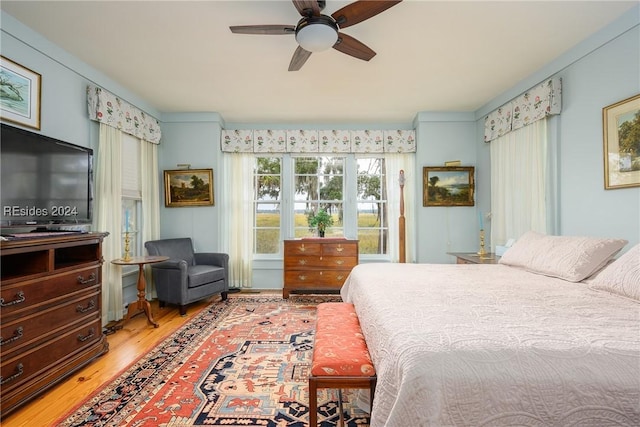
{"x": 241, "y": 362}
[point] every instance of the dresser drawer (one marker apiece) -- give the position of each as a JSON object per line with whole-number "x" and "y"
{"x": 300, "y": 262}
{"x": 340, "y": 249}
{"x": 302, "y": 248}
{"x": 18, "y": 298}
{"x": 317, "y": 278}
{"x": 36, "y": 361}
{"x": 28, "y": 331}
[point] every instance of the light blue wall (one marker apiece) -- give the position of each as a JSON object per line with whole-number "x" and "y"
{"x": 192, "y": 138}
{"x": 598, "y": 72}
{"x": 443, "y": 137}
{"x": 64, "y": 82}
{"x": 607, "y": 76}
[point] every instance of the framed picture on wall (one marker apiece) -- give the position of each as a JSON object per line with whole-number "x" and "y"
{"x": 448, "y": 186}
{"x": 188, "y": 187}
{"x": 19, "y": 94}
{"x": 621, "y": 135}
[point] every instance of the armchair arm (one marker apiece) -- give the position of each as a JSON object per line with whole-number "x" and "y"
{"x": 171, "y": 264}
{"x": 211, "y": 258}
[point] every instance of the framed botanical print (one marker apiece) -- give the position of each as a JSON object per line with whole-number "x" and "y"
{"x": 448, "y": 186}
{"x": 621, "y": 137}
{"x": 19, "y": 94}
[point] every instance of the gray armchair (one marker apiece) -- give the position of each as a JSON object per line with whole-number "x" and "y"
{"x": 187, "y": 276}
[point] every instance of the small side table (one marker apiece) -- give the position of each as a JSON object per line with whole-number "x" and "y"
{"x": 473, "y": 258}
{"x": 142, "y": 304}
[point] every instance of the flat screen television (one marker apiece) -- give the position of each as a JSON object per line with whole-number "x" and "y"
{"x": 46, "y": 183}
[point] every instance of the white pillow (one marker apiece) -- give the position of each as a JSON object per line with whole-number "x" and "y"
{"x": 566, "y": 257}
{"x": 622, "y": 276}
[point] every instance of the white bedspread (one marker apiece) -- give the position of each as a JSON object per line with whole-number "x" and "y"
{"x": 490, "y": 345}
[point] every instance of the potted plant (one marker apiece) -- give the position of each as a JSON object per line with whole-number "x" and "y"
{"x": 320, "y": 221}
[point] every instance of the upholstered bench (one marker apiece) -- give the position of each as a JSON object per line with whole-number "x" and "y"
{"x": 340, "y": 355}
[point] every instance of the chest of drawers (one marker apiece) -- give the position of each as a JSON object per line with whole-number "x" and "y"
{"x": 317, "y": 264}
{"x": 51, "y": 321}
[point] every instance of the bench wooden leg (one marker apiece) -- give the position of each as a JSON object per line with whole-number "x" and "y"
{"x": 313, "y": 402}
{"x": 338, "y": 383}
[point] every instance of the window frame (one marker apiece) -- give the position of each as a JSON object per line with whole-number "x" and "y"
{"x": 382, "y": 229}
{"x": 131, "y": 191}
{"x": 256, "y": 202}
{"x": 287, "y": 200}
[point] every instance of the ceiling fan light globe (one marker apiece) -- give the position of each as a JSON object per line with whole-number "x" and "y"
{"x": 317, "y": 36}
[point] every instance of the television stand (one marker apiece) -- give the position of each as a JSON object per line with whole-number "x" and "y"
{"x": 51, "y": 316}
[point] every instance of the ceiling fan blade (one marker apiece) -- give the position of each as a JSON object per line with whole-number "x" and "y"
{"x": 304, "y": 6}
{"x": 361, "y": 10}
{"x": 350, "y": 46}
{"x": 300, "y": 56}
{"x": 263, "y": 29}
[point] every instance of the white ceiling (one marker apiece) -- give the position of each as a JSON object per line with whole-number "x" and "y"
{"x": 444, "y": 56}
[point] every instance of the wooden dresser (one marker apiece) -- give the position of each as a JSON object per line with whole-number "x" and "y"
{"x": 51, "y": 321}
{"x": 317, "y": 264}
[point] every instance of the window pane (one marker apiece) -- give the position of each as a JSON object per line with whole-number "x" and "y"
{"x": 131, "y": 211}
{"x": 267, "y": 184}
{"x": 372, "y": 241}
{"x": 373, "y": 223}
{"x": 318, "y": 184}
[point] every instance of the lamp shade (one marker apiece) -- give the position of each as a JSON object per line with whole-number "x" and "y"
{"x": 316, "y": 34}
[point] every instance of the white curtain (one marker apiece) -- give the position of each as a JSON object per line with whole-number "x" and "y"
{"x": 108, "y": 208}
{"x": 150, "y": 190}
{"x": 394, "y": 164}
{"x": 519, "y": 183}
{"x": 237, "y": 218}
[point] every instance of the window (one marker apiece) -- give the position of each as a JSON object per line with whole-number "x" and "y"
{"x": 290, "y": 189}
{"x": 373, "y": 221}
{"x": 318, "y": 184}
{"x": 131, "y": 194}
{"x": 267, "y": 202}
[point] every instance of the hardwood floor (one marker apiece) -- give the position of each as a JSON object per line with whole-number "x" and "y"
{"x": 125, "y": 346}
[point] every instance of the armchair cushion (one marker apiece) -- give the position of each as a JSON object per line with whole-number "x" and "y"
{"x": 202, "y": 274}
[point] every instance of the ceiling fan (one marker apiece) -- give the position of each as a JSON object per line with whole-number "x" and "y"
{"x": 316, "y": 32}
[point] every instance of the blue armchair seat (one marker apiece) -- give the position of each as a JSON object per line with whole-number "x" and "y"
{"x": 187, "y": 276}
{"x": 199, "y": 275}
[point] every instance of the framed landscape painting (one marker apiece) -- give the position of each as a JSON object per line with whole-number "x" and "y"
{"x": 188, "y": 187}
{"x": 621, "y": 137}
{"x": 19, "y": 94}
{"x": 448, "y": 186}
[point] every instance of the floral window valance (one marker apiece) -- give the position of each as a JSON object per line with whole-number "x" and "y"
{"x": 318, "y": 141}
{"x": 533, "y": 105}
{"x": 107, "y": 108}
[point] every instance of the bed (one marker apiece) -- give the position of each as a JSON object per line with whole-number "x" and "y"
{"x": 497, "y": 345}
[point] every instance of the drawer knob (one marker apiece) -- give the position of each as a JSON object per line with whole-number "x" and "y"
{"x": 83, "y": 338}
{"x": 19, "y": 370}
{"x": 17, "y": 334}
{"x": 90, "y": 306}
{"x": 20, "y": 298}
{"x": 83, "y": 281}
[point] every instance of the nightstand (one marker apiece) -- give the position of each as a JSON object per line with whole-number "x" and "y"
{"x": 473, "y": 258}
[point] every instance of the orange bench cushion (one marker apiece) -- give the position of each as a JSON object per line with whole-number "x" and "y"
{"x": 340, "y": 348}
